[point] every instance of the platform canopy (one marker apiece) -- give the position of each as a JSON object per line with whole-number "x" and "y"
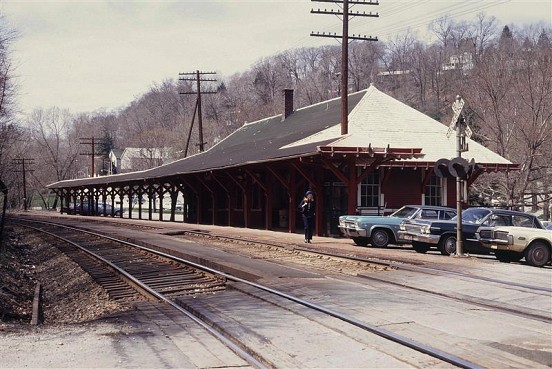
{"x": 379, "y": 125}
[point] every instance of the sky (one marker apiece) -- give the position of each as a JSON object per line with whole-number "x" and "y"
{"x": 95, "y": 55}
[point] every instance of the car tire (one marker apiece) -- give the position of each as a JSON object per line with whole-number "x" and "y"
{"x": 537, "y": 254}
{"x": 360, "y": 241}
{"x": 505, "y": 256}
{"x": 447, "y": 245}
{"x": 420, "y": 247}
{"x": 380, "y": 238}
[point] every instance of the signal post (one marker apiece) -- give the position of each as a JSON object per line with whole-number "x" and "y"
{"x": 458, "y": 167}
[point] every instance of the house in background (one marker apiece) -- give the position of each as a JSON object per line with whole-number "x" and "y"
{"x": 142, "y": 158}
{"x": 115, "y": 161}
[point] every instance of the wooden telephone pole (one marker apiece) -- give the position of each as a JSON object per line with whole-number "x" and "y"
{"x": 196, "y": 77}
{"x": 24, "y": 169}
{"x": 345, "y": 14}
{"x": 92, "y": 141}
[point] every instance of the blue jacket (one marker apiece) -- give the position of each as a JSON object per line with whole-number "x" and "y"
{"x": 307, "y": 208}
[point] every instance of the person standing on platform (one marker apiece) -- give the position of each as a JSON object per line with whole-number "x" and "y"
{"x": 307, "y": 208}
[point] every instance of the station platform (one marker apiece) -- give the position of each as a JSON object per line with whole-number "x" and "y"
{"x": 341, "y": 245}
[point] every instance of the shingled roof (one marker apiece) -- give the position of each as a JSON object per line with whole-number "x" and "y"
{"x": 375, "y": 120}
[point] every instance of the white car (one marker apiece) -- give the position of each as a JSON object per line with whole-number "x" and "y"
{"x": 514, "y": 243}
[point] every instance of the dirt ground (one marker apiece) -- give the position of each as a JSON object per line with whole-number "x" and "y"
{"x": 69, "y": 294}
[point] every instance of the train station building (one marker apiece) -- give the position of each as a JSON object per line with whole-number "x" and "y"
{"x": 256, "y": 177}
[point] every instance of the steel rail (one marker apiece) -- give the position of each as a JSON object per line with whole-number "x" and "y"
{"x": 405, "y": 341}
{"x": 229, "y": 343}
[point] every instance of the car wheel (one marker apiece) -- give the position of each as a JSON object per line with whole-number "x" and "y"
{"x": 420, "y": 247}
{"x": 360, "y": 241}
{"x": 380, "y": 238}
{"x": 537, "y": 254}
{"x": 447, "y": 245}
{"x": 505, "y": 256}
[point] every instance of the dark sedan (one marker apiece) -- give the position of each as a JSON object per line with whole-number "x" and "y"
{"x": 425, "y": 234}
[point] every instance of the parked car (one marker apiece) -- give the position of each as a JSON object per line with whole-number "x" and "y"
{"x": 425, "y": 234}
{"x": 380, "y": 231}
{"x": 109, "y": 210}
{"x": 514, "y": 243}
{"x": 85, "y": 210}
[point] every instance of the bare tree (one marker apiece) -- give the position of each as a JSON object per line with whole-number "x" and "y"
{"x": 514, "y": 90}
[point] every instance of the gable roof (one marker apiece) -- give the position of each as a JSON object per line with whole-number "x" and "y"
{"x": 375, "y": 120}
{"x": 380, "y": 120}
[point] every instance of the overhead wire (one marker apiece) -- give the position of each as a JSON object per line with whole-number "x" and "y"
{"x": 401, "y": 26}
{"x": 452, "y": 10}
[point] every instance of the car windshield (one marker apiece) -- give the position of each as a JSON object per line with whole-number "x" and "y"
{"x": 474, "y": 216}
{"x": 405, "y": 212}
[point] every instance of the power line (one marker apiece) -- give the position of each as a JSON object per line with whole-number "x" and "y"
{"x": 197, "y": 77}
{"x": 92, "y": 141}
{"x": 345, "y": 14}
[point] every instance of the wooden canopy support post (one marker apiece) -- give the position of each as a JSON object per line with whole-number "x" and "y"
{"x": 289, "y": 185}
{"x": 213, "y": 200}
{"x": 104, "y": 199}
{"x": 121, "y": 193}
{"x": 130, "y": 194}
{"x": 67, "y": 197}
{"x": 245, "y": 200}
{"x": 140, "y": 194}
{"x": 197, "y": 209}
{"x": 111, "y": 194}
{"x": 267, "y": 195}
{"x": 348, "y": 180}
{"x": 160, "y": 194}
{"x": 151, "y": 194}
{"x": 228, "y": 199}
{"x": 179, "y": 187}
{"x": 352, "y": 188}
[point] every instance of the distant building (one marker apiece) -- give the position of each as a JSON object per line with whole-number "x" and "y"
{"x": 115, "y": 161}
{"x": 463, "y": 61}
{"x": 141, "y": 158}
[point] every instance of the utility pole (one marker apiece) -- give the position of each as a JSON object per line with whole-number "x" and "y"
{"x": 24, "y": 170}
{"x": 197, "y": 77}
{"x": 345, "y": 14}
{"x": 92, "y": 141}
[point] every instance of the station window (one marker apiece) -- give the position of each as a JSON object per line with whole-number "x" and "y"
{"x": 433, "y": 191}
{"x": 370, "y": 190}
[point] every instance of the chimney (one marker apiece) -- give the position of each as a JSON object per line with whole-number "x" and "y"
{"x": 288, "y": 103}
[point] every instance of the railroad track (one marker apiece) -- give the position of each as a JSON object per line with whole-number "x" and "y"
{"x": 542, "y": 316}
{"x": 137, "y": 264}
